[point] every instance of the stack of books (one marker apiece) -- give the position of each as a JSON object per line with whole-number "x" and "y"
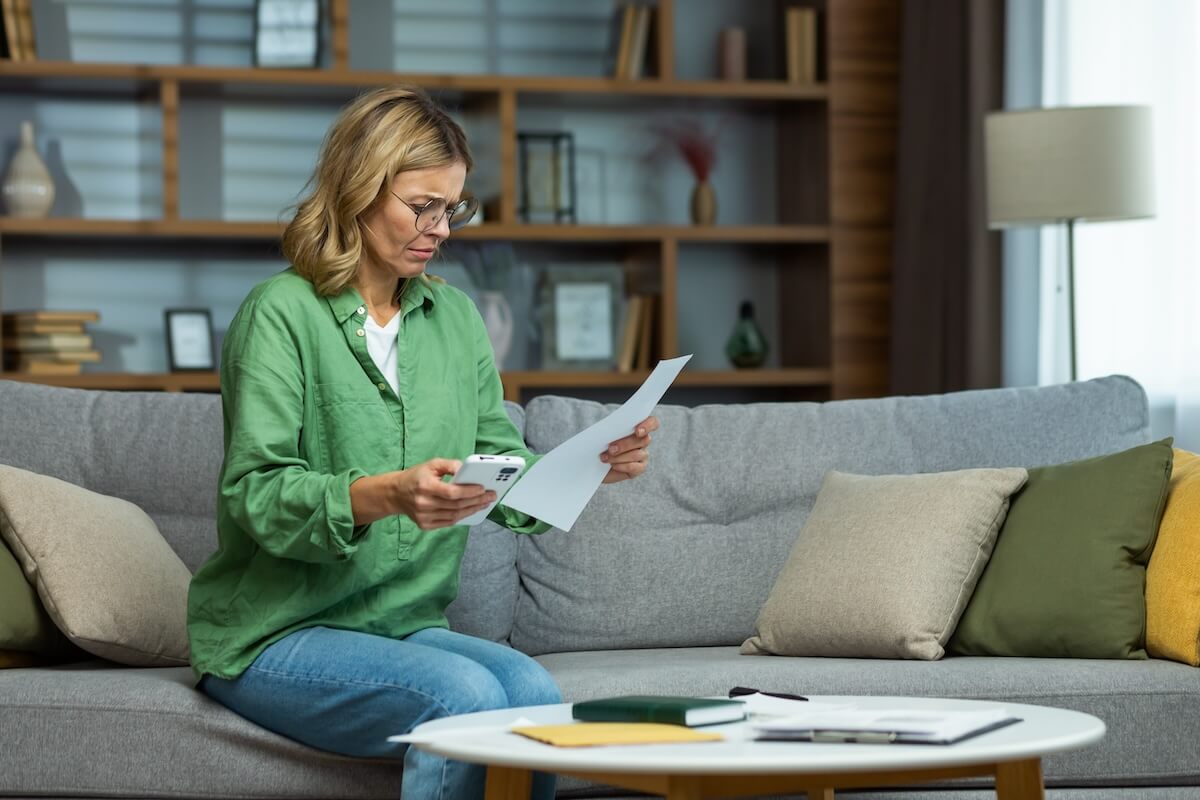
{"x": 633, "y": 45}
{"x": 16, "y": 30}
{"x": 800, "y": 45}
{"x": 48, "y": 342}
{"x": 637, "y": 333}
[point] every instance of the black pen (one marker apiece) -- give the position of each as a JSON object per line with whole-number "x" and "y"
{"x": 739, "y": 691}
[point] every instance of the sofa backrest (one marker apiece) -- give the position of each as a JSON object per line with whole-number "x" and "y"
{"x": 686, "y": 554}
{"x": 163, "y": 452}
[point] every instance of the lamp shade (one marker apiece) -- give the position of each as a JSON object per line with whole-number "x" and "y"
{"x": 1051, "y": 164}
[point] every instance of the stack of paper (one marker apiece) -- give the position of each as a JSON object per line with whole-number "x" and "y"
{"x": 900, "y": 725}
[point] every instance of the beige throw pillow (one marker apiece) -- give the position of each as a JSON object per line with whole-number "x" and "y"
{"x": 885, "y": 565}
{"x": 104, "y": 573}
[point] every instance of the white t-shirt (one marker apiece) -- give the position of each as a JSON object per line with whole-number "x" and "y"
{"x": 381, "y": 344}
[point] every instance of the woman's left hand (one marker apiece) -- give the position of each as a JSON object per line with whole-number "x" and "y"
{"x": 627, "y": 457}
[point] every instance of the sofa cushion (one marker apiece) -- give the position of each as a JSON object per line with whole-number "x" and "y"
{"x": 1068, "y": 575}
{"x": 102, "y": 571}
{"x": 1151, "y": 708}
{"x": 24, "y": 624}
{"x": 160, "y": 451}
{"x": 916, "y": 545}
{"x": 1173, "y": 576}
{"x": 686, "y": 554}
{"x": 89, "y": 731}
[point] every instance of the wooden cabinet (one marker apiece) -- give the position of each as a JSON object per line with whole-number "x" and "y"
{"x": 823, "y": 235}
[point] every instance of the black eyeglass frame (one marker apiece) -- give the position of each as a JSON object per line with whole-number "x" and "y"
{"x": 457, "y": 215}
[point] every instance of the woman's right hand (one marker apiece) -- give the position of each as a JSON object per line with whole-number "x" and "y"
{"x": 418, "y": 493}
{"x": 423, "y": 497}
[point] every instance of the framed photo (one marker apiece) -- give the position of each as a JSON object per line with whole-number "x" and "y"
{"x": 580, "y": 308}
{"x": 547, "y": 176}
{"x": 287, "y": 33}
{"x": 189, "y": 340}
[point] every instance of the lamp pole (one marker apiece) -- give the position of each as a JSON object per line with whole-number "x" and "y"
{"x": 1071, "y": 292}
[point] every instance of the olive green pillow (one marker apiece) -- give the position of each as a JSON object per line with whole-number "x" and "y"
{"x": 1068, "y": 574}
{"x": 24, "y": 624}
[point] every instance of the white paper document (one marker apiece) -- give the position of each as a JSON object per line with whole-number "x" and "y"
{"x": 449, "y": 733}
{"x": 900, "y": 725}
{"x": 558, "y": 487}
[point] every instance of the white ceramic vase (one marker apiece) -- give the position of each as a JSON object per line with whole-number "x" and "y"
{"x": 498, "y": 320}
{"x": 28, "y": 188}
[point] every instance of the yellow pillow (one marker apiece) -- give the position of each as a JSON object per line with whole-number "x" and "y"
{"x": 16, "y": 658}
{"x": 1173, "y": 576}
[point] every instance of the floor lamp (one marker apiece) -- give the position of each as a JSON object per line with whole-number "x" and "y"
{"x": 1063, "y": 165}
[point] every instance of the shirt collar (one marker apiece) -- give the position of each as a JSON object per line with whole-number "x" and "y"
{"x": 347, "y": 303}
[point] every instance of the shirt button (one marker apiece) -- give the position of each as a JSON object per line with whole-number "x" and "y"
{"x": 361, "y": 332}
{"x": 383, "y": 387}
{"x": 362, "y": 310}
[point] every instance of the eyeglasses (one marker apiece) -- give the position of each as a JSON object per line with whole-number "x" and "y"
{"x": 430, "y": 214}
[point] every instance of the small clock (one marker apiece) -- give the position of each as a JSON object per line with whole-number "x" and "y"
{"x": 287, "y": 33}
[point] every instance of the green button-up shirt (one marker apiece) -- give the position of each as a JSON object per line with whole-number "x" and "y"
{"x": 307, "y": 412}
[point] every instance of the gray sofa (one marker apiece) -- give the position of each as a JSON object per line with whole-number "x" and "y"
{"x": 652, "y": 592}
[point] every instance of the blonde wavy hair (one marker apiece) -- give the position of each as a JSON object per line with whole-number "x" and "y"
{"x": 377, "y": 136}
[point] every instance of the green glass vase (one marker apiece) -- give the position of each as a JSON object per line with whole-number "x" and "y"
{"x": 746, "y": 346}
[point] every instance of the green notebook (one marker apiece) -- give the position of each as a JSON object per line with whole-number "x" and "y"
{"x": 690, "y": 711}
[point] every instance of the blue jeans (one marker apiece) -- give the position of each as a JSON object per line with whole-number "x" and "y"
{"x": 346, "y": 692}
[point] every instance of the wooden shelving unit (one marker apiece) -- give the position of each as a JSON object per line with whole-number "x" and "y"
{"x": 835, "y": 153}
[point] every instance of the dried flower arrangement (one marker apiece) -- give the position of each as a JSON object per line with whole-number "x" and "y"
{"x": 695, "y": 143}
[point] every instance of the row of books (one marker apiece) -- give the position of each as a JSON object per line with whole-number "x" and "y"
{"x": 634, "y": 42}
{"x": 16, "y": 30}
{"x": 637, "y": 333}
{"x": 47, "y": 342}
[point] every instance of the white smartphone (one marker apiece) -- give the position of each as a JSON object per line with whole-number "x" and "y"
{"x": 496, "y": 473}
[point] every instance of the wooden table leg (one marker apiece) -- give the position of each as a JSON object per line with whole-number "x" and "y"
{"x": 507, "y": 783}
{"x": 1020, "y": 780}
{"x": 683, "y": 787}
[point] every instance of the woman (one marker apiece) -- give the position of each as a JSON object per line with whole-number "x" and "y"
{"x": 352, "y": 384}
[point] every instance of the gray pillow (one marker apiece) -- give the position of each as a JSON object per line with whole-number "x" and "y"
{"x": 104, "y": 574}
{"x": 885, "y": 565}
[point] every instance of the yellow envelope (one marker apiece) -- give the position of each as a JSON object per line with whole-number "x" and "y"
{"x": 590, "y": 734}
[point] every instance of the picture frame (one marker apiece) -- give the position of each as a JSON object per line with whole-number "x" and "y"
{"x": 287, "y": 34}
{"x": 189, "y": 336}
{"x": 547, "y": 176}
{"x": 580, "y": 311}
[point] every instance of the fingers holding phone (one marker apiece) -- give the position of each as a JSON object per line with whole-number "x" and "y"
{"x": 431, "y": 502}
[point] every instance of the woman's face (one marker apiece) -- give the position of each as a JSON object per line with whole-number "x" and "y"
{"x": 397, "y": 247}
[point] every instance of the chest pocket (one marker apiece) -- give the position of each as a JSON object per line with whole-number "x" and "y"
{"x": 356, "y": 428}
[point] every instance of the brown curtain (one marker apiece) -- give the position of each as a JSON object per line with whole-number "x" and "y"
{"x": 946, "y": 290}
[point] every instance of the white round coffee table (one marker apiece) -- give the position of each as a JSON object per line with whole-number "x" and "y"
{"x": 740, "y": 767}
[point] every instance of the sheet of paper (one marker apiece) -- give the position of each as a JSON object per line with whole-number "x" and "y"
{"x": 472, "y": 730}
{"x": 913, "y": 723}
{"x": 558, "y": 487}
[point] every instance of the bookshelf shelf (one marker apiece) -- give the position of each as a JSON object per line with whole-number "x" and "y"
{"x": 514, "y": 382}
{"x": 126, "y": 381}
{"x": 212, "y": 229}
{"x": 70, "y": 77}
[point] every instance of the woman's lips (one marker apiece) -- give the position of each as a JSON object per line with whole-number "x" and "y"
{"x": 422, "y": 252}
